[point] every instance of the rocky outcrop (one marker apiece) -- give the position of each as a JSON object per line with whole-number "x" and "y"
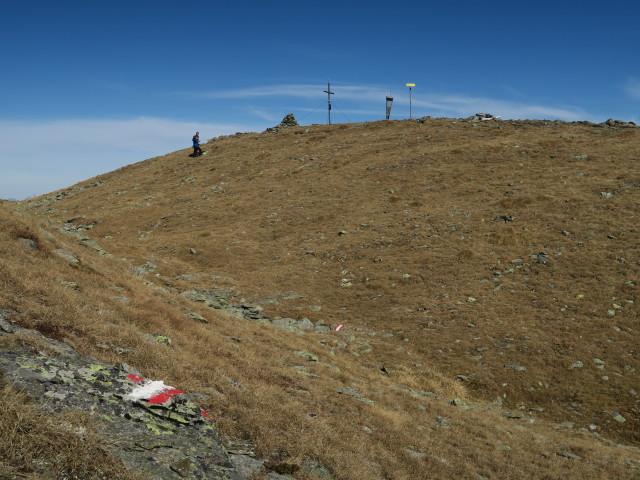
{"x": 153, "y": 428}
{"x": 219, "y": 300}
{"x": 619, "y": 123}
{"x": 482, "y": 117}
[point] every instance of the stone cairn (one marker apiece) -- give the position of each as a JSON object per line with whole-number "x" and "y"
{"x": 287, "y": 122}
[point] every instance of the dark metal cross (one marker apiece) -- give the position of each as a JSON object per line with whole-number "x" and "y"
{"x": 329, "y": 93}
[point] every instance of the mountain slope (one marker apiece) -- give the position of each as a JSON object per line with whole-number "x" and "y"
{"x": 495, "y": 263}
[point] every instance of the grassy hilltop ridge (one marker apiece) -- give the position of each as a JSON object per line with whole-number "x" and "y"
{"x": 486, "y": 275}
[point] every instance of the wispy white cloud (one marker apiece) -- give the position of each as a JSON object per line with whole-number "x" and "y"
{"x": 287, "y": 90}
{"x": 632, "y": 87}
{"x": 464, "y": 106}
{"x": 262, "y": 113}
{"x": 351, "y": 98}
{"x": 40, "y": 157}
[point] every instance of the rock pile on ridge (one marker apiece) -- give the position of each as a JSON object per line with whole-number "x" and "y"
{"x": 287, "y": 122}
{"x": 619, "y": 123}
{"x": 483, "y": 117}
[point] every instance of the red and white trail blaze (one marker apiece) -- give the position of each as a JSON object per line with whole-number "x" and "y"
{"x": 153, "y": 392}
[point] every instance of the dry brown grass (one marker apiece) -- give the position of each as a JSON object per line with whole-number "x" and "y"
{"x": 37, "y": 445}
{"x": 435, "y": 215}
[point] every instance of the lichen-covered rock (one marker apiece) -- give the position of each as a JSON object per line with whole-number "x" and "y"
{"x": 196, "y": 316}
{"x": 211, "y": 298}
{"x": 167, "y": 435}
{"x": 147, "y": 267}
{"x": 220, "y": 301}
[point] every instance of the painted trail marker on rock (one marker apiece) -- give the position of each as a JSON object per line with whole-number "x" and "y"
{"x": 154, "y": 392}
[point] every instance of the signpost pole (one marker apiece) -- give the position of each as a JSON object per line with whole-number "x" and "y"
{"x": 410, "y": 85}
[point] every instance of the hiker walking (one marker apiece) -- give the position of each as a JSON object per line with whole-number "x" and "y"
{"x": 196, "y": 145}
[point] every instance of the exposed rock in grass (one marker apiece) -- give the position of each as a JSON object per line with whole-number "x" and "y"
{"x": 168, "y": 435}
{"x": 66, "y": 255}
{"x": 618, "y": 418}
{"x": 159, "y": 339}
{"x": 565, "y": 454}
{"x": 517, "y": 368}
{"x": 196, "y": 316}
{"x": 147, "y": 267}
{"x": 72, "y": 285}
{"x": 211, "y": 298}
{"x": 28, "y": 243}
{"x": 306, "y": 355}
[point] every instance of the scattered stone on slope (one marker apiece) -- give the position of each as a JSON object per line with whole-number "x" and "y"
{"x": 566, "y": 454}
{"x": 541, "y": 257}
{"x": 618, "y": 418}
{"x": 159, "y": 339}
{"x": 353, "y": 392}
{"x": 29, "y": 243}
{"x": 71, "y": 226}
{"x": 211, "y": 298}
{"x": 458, "y": 402}
{"x": 219, "y": 300}
{"x": 517, "y": 368}
{"x": 44, "y": 202}
{"x": 72, "y": 285}
{"x": 196, "y": 316}
{"x": 167, "y": 435}
{"x": 442, "y": 422}
{"x": 66, "y": 255}
{"x": 147, "y": 267}
{"x": 306, "y": 355}
{"x": 75, "y": 231}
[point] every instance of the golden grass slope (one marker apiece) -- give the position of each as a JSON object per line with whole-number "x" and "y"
{"x": 494, "y": 262}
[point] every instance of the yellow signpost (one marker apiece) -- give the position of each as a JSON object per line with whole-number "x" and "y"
{"x": 410, "y": 85}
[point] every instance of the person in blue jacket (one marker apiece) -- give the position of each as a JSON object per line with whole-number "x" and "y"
{"x": 196, "y": 145}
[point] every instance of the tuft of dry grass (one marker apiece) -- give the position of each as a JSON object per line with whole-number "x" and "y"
{"x": 38, "y": 444}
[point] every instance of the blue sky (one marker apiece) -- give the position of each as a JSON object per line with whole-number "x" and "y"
{"x": 89, "y": 86}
